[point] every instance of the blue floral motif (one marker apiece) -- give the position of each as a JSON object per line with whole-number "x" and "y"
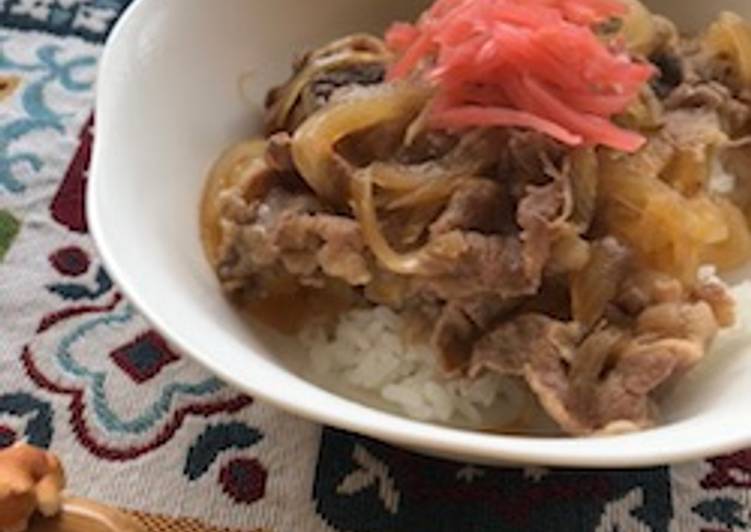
{"x": 89, "y": 19}
{"x": 214, "y": 441}
{"x": 37, "y": 114}
{"x": 722, "y": 510}
{"x": 79, "y": 291}
{"x": 38, "y": 416}
{"x": 96, "y": 380}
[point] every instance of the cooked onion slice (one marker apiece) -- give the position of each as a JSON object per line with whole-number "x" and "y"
{"x": 226, "y": 173}
{"x": 353, "y": 50}
{"x": 730, "y": 36}
{"x": 593, "y": 287}
{"x": 361, "y": 189}
{"x": 314, "y": 142}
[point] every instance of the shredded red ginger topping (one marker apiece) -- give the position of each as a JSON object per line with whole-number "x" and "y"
{"x": 534, "y": 64}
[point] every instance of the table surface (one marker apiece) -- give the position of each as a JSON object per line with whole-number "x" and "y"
{"x": 142, "y": 428}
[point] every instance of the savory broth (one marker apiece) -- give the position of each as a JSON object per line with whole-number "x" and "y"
{"x": 288, "y": 311}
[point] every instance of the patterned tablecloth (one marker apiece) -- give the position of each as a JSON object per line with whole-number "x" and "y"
{"x": 143, "y": 428}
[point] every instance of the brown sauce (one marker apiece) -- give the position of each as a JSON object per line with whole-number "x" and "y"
{"x": 531, "y": 421}
{"x": 210, "y": 227}
{"x": 289, "y": 310}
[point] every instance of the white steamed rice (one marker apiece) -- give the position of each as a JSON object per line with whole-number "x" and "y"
{"x": 368, "y": 354}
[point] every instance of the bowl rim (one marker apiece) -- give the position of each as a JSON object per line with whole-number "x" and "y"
{"x": 618, "y": 451}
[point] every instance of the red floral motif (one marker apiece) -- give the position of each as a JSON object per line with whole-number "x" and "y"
{"x": 70, "y": 261}
{"x": 144, "y": 357}
{"x": 244, "y": 480}
{"x": 68, "y": 205}
{"x": 732, "y": 471}
{"x": 64, "y": 314}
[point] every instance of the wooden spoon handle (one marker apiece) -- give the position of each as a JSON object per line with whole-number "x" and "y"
{"x": 82, "y": 515}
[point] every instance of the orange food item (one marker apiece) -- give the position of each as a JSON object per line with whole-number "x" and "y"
{"x": 475, "y": 115}
{"x": 30, "y": 479}
{"x": 538, "y": 65}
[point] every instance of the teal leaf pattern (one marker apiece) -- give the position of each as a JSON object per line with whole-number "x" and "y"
{"x": 215, "y": 440}
{"x": 722, "y": 510}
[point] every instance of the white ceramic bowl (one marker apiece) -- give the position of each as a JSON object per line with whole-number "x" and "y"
{"x": 169, "y": 101}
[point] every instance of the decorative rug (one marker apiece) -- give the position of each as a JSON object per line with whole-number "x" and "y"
{"x": 142, "y": 428}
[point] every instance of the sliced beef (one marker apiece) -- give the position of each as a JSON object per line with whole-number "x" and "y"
{"x": 452, "y": 338}
{"x": 307, "y": 242}
{"x": 483, "y": 276}
{"x": 595, "y": 381}
{"x": 539, "y": 214}
{"x": 707, "y": 84}
{"x": 557, "y": 375}
{"x": 605, "y": 379}
{"x": 468, "y": 263}
{"x": 507, "y": 349}
{"x": 644, "y": 288}
{"x": 682, "y": 328}
{"x": 279, "y": 152}
{"x": 287, "y": 234}
{"x": 461, "y": 323}
{"x": 248, "y": 255}
{"x": 528, "y": 159}
{"x": 698, "y": 94}
{"x": 670, "y": 339}
{"x": 694, "y": 129}
{"x": 595, "y": 286}
{"x": 478, "y": 205}
{"x": 716, "y": 294}
{"x": 711, "y": 96}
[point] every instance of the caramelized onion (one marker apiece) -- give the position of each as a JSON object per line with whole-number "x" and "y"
{"x": 569, "y": 253}
{"x": 354, "y": 50}
{"x": 730, "y": 36}
{"x": 402, "y": 177}
{"x": 593, "y": 287}
{"x": 646, "y": 113}
{"x": 226, "y": 173}
{"x": 667, "y": 230}
{"x": 638, "y": 28}
{"x": 584, "y": 183}
{"x": 657, "y": 200}
{"x": 435, "y": 182}
{"x": 361, "y": 189}
{"x": 314, "y": 142}
{"x": 431, "y": 193}
{"x": 735, "y": 250}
